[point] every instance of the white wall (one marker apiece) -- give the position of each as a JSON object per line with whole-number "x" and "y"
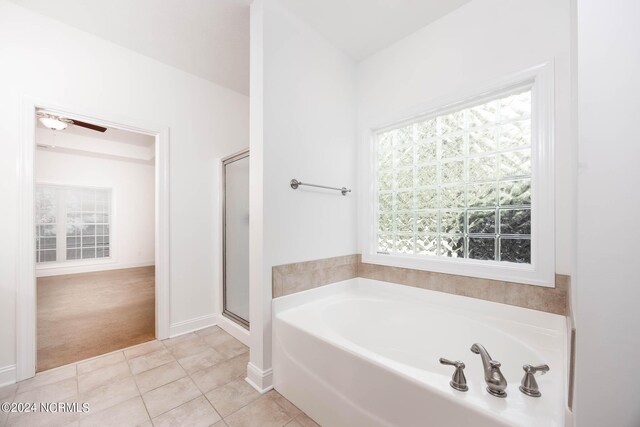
{"x": 132, "y": 187}
{"x": 480, "y": 42}
{"x": 67, "y": 67}
{"x": 303, "y": 125}
{"x": 608, "y": 276}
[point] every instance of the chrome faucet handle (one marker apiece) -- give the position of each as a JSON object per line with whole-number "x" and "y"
{"x": 529, "y": 385}
{"x": 458, "y": 381}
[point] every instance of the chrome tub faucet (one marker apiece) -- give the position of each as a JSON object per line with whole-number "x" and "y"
{"x": 496, "y": 383}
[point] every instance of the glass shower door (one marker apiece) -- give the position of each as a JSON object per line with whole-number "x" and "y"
{"x": 236, "y": 238}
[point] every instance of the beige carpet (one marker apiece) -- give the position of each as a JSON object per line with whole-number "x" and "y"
{"x": 85, "y": 315}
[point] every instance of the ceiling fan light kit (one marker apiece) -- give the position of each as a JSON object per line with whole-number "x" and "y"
{"x": 54, "y": 122}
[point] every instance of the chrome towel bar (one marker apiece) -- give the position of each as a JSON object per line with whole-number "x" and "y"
{"x": 295, "y": 184}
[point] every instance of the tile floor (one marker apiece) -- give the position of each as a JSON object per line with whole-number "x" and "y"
{"x": 193, "y": 380}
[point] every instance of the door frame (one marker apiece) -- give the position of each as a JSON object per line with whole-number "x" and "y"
{"x": 26, "y": 332}
{"x": 225, "y": 161}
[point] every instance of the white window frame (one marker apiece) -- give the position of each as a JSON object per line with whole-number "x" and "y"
{"x": 541, "y": 270}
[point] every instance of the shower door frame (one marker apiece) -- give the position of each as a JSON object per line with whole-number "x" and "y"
{"x": 225, "y": 161}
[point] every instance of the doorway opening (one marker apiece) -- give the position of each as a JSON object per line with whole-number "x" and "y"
{"x": 235, "y": 238}
{"x": 94, "y": 239}
{"x": 35, "y": 241}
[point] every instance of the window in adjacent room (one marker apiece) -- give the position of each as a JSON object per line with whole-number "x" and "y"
{"x": 72, "y": 223}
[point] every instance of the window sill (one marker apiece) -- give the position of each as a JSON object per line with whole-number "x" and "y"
{"x": 503, "y": 271}
{"x": 72, "y": 264}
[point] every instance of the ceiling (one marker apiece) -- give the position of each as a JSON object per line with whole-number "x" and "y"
{"x": 363, "y": 27}
{"x": 208, "y": 38}
{"x": 115, "y": 144}
{"x": 111, "y": 134}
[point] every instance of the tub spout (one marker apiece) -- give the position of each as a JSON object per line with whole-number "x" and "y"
{"x": 496, "y": 383}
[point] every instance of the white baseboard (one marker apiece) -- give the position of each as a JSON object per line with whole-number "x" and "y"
{"x": 233, "y": 329}
{"x": 261, "y": 380}
{"x": 63, "y": 268}
{"x": 186, "y": 326}
{"x": 7, "y": 375}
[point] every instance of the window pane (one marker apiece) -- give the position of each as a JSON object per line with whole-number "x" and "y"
{"x": 452, "y": 246}
{"x": 482, "y": 248}
{"x": 48, "y": 255}
{"x": 385, "y": 242}
{"x": 73, "y": 254}
{"x": 453, "y": 146}
{"x": 404, "y": 222}
{"x": 404, "y": 243}
{"x": 481, "y": 195}
{"x": 453, "y": 172}
{"x": 515, "y": 163}
{"x": 515, "y": 106}
{"x": 47, "y": 243}
{"x": 73, "y": 242}
{"x": 482, "y": 141}
{"x": 427, "y": 175}
{"x": 428, "y": 198}
{"x": 515, "y": 221}
{"x": 427, "y": 221}
{"x": 427, "y": 151}
{"x": 515, "y": 192}
{"x": 427, "y": 244}
{"x": 385, "y": 222}
{"x": 88, "y": 253}
{"x": 453, "y": 197}
{"x": 385, "y": 181}
{"x": 516, "y": 134}
{"x": 452, "y": 222}
{"x": 482, "y": 222}
{"x": 515, "y": 250}
{"x": 456, "y": 184}
{"x": 483, "y": 168}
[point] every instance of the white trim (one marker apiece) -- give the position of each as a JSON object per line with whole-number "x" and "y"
{"x": 89, "y": 267}
{"x": 233, "y": 329}
{"x": 541, "y": 271}
{"x": 162, "y": 237}
{"x": 261, "y": 380}
{"x": 191, "y": 325}
{"x": 7, "y": 375}
{"x": 25, "y": 260}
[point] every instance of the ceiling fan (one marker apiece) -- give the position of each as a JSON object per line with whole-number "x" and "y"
{"x": 54, "y": 122}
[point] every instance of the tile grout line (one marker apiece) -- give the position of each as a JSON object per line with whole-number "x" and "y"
{"x": 191, "y": 376}
{"x": 75, "y": 366}
{"x": 138, "y": 388}
{"x": 234, "y": 378}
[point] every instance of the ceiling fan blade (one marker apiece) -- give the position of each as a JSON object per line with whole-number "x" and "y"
{"x": 89, "y": 126}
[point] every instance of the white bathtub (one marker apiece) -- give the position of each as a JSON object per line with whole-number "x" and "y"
{"x": 365, "y": 353}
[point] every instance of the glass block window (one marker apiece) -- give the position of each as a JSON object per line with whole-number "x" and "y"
{"x": 83, "y": 227}
{"x": 458, "y": 184}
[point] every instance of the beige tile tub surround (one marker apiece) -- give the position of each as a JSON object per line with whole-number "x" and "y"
{"x": 292, "y": 278}
{"x": 194, "y": 380}
{"x": 301, "y": 276}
